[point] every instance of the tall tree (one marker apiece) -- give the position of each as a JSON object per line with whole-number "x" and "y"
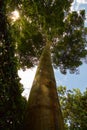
{"x": 64, "y": 32}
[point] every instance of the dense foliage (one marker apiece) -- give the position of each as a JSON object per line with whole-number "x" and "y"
{"x": 51, "y": 21}
{"x": 70, "y": 50}
{"x": 74, "y": 108}
{"x": 12, "y": 104}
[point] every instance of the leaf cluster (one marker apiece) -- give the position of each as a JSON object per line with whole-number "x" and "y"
{"x": 70, "y": 49}
{"x": 73, "y": 104}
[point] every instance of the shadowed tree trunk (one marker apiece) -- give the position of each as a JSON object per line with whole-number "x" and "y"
{"x": 43, "y": 112}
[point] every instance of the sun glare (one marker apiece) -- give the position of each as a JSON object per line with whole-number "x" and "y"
{"x": 15, "y": 15}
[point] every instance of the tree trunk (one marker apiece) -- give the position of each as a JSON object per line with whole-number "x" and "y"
{"x": 43, "y": 111}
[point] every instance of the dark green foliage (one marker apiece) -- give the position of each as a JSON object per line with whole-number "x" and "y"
{"x": 37, "y": 18}
{"x": 53, "y": 22}
{"x": 49, "y": 15}
{"x": 70, "y": 49}
{"x": 12, "y": 104}
{"x": 30, "y": 49}
{"x": 29, "y": 40}
{"x": 74, "y": 108}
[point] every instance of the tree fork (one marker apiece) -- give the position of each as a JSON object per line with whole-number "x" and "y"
{"x": 43, "y": 111}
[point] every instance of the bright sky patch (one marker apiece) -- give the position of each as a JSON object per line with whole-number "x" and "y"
{"x": 15, "y": 15}
{"x": 82, "y": 1}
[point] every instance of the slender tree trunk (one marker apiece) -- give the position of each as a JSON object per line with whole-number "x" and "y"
{"x": 43, "y": 112}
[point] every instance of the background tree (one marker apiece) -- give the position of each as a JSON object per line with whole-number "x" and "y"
{"x": 73, "y": 104}
{"x": 12, "y": 104}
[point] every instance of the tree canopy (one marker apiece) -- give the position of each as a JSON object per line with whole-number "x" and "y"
{"x": 50, "y": 21}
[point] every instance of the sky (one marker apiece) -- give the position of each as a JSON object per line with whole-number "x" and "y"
{"x": 69, "y": 80}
